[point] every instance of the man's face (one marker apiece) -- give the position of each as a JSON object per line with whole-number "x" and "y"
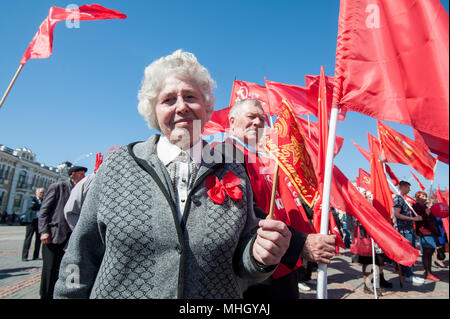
{"x": 245, "y": 125}
{"x": 405, "y": 189}
{"x": 77, "y": 176}
{"x": 40, "y": 193}
{"x": 180, "y": 103}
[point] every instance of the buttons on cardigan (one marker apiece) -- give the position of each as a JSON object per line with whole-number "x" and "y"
{"x": 179, "y": 249}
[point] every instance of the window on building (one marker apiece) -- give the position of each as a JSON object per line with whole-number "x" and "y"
{"x": 22, "y": 179}
{"x": 2, "y": 170}
{"x": 18, "y": 200}
{"x": 2, "y": 197}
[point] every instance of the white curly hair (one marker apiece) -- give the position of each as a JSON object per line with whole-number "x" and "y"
{"x": 179, "y": 63}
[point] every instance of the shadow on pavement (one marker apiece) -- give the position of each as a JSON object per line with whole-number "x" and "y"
{"x": 15, "y": 272}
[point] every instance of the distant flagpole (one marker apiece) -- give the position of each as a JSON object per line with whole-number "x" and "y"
{"x": 11, "y": 84}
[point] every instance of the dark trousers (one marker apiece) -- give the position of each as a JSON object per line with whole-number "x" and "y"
{"x": 282, "y": 288}
{"x": 31, "y": 229}
{"x": 52, "y": 255}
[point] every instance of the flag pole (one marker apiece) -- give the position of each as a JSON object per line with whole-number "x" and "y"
{"x": 434, "y": 177}
{"x": 374, "y": 267}
{"x": 322, "y": 270}
{"x": 11, "y": 84}
{"x": 275, "y": 177}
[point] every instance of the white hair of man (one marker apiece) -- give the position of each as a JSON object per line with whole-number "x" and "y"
{"x": 236, "y": 109}
{"x": 181, "y": 64}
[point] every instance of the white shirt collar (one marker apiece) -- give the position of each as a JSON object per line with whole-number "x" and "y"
{"x": 168, "y": 152}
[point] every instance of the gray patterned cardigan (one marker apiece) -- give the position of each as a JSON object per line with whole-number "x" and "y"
{"x": 128, "y": 242}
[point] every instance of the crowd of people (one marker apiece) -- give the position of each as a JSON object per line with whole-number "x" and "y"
{"x": 176, "y": 217}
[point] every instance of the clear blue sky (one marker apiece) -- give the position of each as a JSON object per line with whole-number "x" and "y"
{"x": 83, "y": 99}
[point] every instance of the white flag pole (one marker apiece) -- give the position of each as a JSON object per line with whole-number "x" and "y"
{"x": 434, "y": 177}
{"x": 374, "y": 267}
{"x": 322, "y": 270}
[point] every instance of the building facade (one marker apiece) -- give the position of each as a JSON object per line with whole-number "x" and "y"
{"x": 21, "y": 175}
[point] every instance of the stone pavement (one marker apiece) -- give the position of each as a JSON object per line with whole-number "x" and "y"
{"x": 20, "y": 280}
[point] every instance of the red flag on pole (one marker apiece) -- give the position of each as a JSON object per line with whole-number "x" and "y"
{"x": 363, "y": 151}
{"x": 363, "y": 180}
{"x": 42, "y": 43}
{"x": 398, "y": 148}
{"x": 433, "y": 144}
{"x": 392, "y": 62}
{"x": 382, "y": 198}
{"x": 418, "y": 181}
{"x": 246, "y": 90}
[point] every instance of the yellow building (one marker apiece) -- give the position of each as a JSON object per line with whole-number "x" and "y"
{"x": 21, "y": 175}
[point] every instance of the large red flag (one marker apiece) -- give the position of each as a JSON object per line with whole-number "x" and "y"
{"x": 363, "y": 179}
{"x": 42, "y": 43}
{"x": 434, "y": 144}
{"x": 392, "y": 62}
{"x": 398, "y": 148}
{"x": 418, "y": 181}
{"x": 382, "y": 198}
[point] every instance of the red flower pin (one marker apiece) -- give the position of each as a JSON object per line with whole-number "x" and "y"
{"x": 217, "y": 190}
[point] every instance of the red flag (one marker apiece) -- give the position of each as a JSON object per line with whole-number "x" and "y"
{"x": 347, "y": 198}
{"x": 312, "y": 83}
{"x": 418, "y": 181}
{"x": 312, "y": 128}
{"x": 290, "y": 153}
{"x": 434, "y": 144}
{"x": 42, "y": 43}
{"x": 363, "y": 180}
{"x": 398, "y": 148}
{"x": 382, "y": 198}
{"x": 363, "y": 151}
{"x": 392, "y": 62}
{"x": 440, "y": 197}
{"x": 391, "y": 174}
{"x": 218, "y": 122}
{"x": 246, "y": 90}
{"x": 320, "y": 166}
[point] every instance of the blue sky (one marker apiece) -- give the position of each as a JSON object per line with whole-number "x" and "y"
{"x": 83, "y": 99}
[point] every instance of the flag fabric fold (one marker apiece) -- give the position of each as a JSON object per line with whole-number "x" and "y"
{"x": 42, "y": 43}
{"x": 380, "y": 69}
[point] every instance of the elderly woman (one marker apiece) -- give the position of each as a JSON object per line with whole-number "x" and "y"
{"x": 162, "y": 220}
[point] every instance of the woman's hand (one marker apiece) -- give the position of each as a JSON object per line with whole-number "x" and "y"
{"x": 272, "y": 241}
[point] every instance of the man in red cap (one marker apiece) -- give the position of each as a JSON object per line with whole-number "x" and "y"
{"x": 54, "y": 230}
